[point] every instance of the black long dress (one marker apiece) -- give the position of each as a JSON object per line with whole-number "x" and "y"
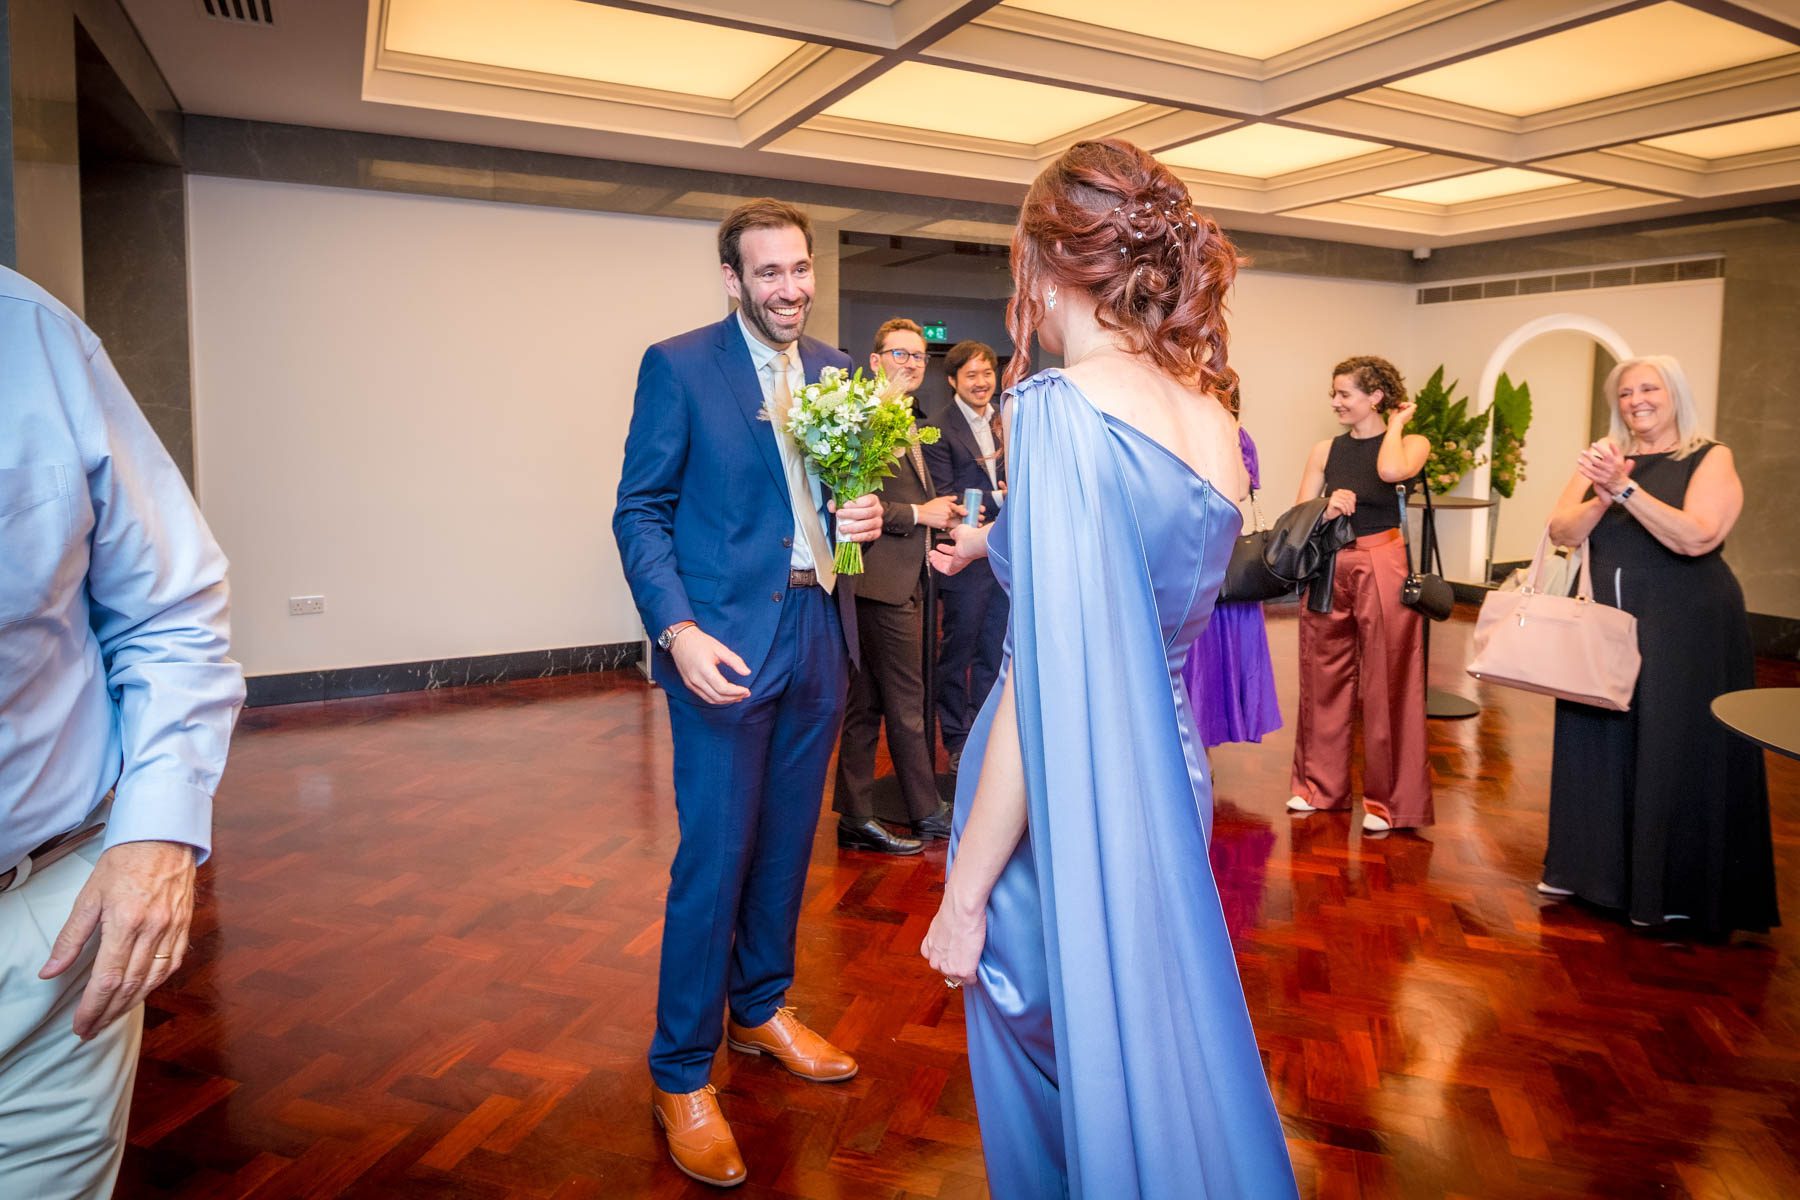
{"x": 1662, "y": 811}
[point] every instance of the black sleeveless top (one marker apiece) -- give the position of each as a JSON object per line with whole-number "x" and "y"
{"x": 1351, "y": 466}
{"x": 1620, "y": 541}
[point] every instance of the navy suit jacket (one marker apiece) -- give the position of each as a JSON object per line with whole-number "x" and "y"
{"x": 956, "y": 466}
{"x": 703, "y": 521}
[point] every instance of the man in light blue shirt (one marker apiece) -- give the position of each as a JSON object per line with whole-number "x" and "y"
{"x": 117, "y": 702}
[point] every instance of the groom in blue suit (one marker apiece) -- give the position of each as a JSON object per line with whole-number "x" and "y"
{"x": 724, "y": 539}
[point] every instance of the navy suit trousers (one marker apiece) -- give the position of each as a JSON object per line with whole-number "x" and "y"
{"x": 975, "y": 613}
{"x": 748, "y": 781}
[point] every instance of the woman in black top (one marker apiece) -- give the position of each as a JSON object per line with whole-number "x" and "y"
{"x": 1369, "y": 641}
{"x": 1660, "y": 811}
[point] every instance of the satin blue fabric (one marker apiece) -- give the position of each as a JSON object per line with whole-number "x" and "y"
{"x": 1110, "y": 1046}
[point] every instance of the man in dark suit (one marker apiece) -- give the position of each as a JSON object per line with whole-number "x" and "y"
{"x": 722, "y": 533}
{"x": 890, "y": 598}
{"x": 969, "y": 454}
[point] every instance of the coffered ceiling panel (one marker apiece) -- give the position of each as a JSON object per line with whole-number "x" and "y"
{"x": 1778, "y": 132}
{"x": 1265, "y": 151}
{"x": 1626, "y": 53}
{"x": 1481, "y": 185}
{"x": 1392, "y": 122}
{"x": 1260, "y": 29}
{"x": 969, "y": 104}
{"x": 586, "y": 41}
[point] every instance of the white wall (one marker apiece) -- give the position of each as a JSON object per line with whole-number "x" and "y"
{"x": 1682, "y": 319}
{"x": 1560, "y": 369}
{"x": 1287, "y": 332}
{"x": 416, "y": 407}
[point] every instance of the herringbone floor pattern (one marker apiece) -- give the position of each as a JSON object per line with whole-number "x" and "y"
{"x": 425, "y": 958}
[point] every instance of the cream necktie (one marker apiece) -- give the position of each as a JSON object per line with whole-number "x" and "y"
{"x": 799, "y": 487}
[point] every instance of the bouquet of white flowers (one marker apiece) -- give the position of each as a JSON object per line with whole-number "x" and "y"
{"x": 852, "y": 432}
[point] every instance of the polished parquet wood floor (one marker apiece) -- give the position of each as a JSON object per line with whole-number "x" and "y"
{"x": 426, "y": 950}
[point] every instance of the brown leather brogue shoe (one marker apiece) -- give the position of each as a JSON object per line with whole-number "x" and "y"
{"x": 700, "y": 1141}
{"x": 794, "y": 1046}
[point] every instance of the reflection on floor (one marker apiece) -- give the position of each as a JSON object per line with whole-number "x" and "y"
{"x": 426, "y": 952}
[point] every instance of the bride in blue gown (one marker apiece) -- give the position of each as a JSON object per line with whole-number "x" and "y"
{"x": 1109, "y": 1043}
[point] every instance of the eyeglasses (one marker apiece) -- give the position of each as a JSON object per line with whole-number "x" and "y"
{"x": 915, "y": 357}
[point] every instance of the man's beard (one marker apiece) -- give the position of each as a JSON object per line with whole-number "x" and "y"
{"x": 757, "y": 315}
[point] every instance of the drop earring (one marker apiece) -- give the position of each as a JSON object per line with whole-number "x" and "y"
{"x": 1050, "y": 298}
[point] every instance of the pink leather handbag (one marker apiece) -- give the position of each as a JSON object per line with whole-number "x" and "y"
{"x": 1563, "y": 646}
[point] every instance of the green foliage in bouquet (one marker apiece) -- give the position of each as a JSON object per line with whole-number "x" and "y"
{"x": 853, "y": 433}
{"x": 1455, "y": 436}
{"x": 1512, "y": 417}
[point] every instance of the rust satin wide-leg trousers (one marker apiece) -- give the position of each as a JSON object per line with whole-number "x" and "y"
{"x": 1368, "y": 647}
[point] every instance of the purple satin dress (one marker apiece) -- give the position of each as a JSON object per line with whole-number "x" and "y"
{"x": 1230, "y": 680}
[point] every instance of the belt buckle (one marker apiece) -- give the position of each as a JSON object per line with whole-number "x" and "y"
{"x": 60, "y": 846}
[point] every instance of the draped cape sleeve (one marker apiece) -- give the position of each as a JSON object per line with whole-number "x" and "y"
{"x": 1160, "y": 1080}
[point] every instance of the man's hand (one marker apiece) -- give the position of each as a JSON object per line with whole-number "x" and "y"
{"x": 859, "y": 520}
{"x": 942, "y": 512}
{"x": 697, "y": 656}
{"x": 141, "y": 899}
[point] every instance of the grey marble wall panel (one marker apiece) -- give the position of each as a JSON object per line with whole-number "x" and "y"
{"x": 117, "y": 40}
{"x": 134, "y": 232}
{"x": 1759, "y": 417}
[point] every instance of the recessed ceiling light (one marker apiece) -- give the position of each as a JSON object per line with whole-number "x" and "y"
{"x": 588, "y": 41}
{"x": 1265, "y": 151}
{"x": 946, "y": 100}
{"x": 1634, "y": 50}
{"x": 1260, "y": 30}
{"x": 1482, "y": 185}
{"x": 1739, "y": 137}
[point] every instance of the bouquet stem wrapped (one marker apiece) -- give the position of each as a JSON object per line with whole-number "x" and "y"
{"x": 852, "y": 433}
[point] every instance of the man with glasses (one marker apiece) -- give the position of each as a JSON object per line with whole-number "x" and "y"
{"x": 890, "y": 597}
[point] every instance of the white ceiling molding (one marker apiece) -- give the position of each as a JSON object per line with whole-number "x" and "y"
{"x": 1173, "y": 92}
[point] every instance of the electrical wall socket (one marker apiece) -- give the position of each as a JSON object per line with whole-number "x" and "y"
{"x": 300, "y": 606}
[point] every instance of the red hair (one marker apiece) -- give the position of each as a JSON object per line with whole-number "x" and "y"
{"x": 1110, "y": 220}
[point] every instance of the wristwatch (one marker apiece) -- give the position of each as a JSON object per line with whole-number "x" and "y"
{"x": 667, "y": 637}
{"x": 1625, "y": 493}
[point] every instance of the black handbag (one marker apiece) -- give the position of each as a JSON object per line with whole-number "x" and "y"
{"x": 1302, "y": 545}
{"x": 1248, "y": 578}
{"x": 1427, "y": 592}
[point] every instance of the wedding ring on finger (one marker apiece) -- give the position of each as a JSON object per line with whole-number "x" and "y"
{"x": 952, "y": 984}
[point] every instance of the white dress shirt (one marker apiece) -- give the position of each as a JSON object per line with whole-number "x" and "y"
{"x": 984, "y": 437}
{"x": 113, "y": 630}
{"x": 764, "y": 357}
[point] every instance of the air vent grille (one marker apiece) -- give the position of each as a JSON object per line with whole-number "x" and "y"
{"x": 240, "y": 12}
{"x": 1666, "y": 270}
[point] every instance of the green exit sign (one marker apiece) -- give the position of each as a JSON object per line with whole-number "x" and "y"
{"x": 935, "y": 333}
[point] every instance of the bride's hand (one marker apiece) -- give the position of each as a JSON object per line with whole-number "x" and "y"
{"x": 953, "y": 943}
{"x": 967, "y": 543}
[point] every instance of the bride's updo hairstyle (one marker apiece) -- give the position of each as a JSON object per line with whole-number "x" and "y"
{"x": 1109, "y": 220}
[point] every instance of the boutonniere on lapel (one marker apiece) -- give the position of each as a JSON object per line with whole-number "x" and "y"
{"x": 851, "y": 433}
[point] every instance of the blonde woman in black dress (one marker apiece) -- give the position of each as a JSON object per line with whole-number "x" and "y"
{"x": 1660, "y": 812}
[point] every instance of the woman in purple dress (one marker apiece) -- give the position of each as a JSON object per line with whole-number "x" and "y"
{"x": 1230, "y": 680}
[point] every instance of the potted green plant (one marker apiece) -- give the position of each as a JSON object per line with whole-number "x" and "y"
{"x": 1454, "y": 434}
{"x": 1512, "y": 417}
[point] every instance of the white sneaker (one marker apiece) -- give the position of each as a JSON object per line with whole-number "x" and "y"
{"x": 1546, "y": 889}
{"x": 1298, "y": 804}
{"x": 1374, "y": 824}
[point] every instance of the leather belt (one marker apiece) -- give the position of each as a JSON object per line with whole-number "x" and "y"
{"x": 57, "y": 847}
{"x": 798, "y": 578}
